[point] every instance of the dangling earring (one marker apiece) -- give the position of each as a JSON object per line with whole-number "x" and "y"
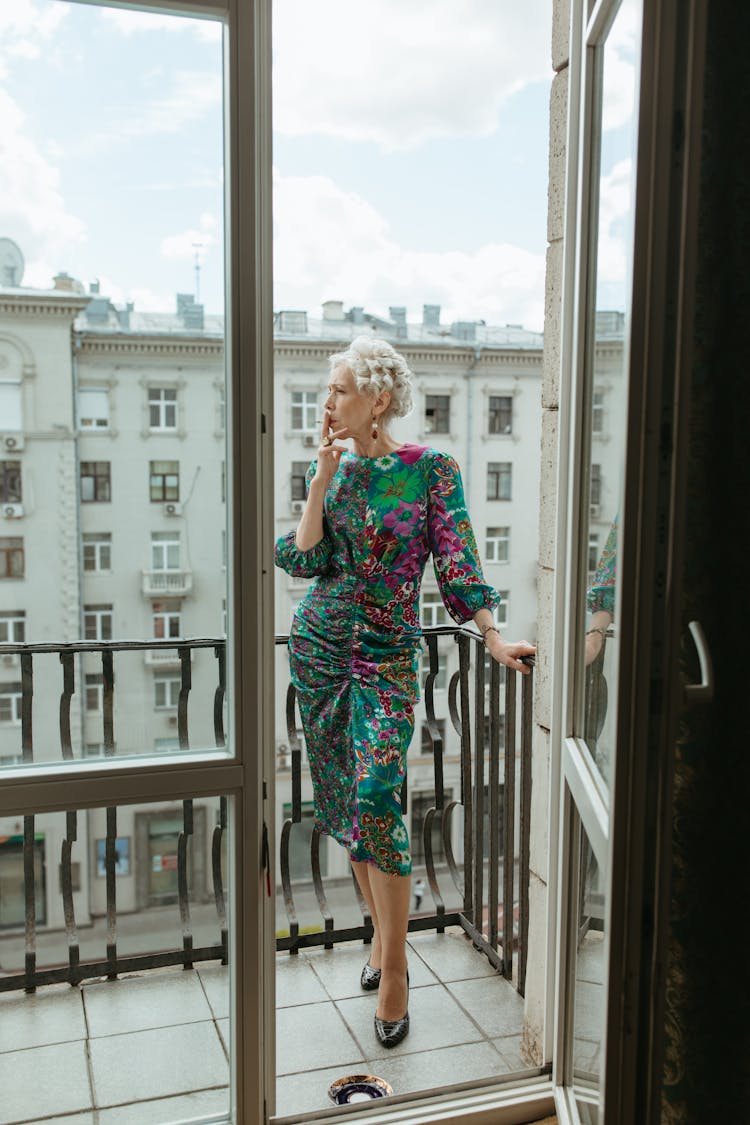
{"x": 374, "y": 427}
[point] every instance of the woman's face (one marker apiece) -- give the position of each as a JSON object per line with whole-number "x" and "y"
{"x": 348, "y": 408}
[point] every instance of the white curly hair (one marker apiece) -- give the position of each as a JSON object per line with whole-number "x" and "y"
{"x": 376, "y": 367}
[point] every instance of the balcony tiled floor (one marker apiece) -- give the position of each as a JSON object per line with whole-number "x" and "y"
{"x": 152, "y": 1049}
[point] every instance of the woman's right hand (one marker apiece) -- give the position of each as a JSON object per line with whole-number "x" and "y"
{"x": 329, "y": 455}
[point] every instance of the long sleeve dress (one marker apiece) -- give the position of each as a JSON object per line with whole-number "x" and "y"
{"x": 355, "y": 639}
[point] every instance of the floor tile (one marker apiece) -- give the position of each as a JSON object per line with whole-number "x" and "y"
{"x": 451, "y": 956}
{"x": 69, "y": 1119}
{"x": 311, "y": 1037}
{"x": 168, "y": 1111}
{"x": 493, "y": 1002}
{"x": 305, "y": 1093}
{"x": 448, "y": 1066}
{"x": 115, "y": 1007}
{"x": 215, "y": 981}
{"x": 590, "y": 959}
{"x": 435, "y": 1021}
{"x": 511, "y": 1049}
{"x": 589, "y": 1011}
{"x": 157, "y": 1063}
{"x": 339, "y": 970}
{"x": 44, "y": 1080}
{"x": 53, "y": 1014}
{"x": 297, "y": 983}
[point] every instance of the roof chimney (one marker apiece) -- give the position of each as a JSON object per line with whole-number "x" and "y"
{"x": 333, "y": 310}
{"x": 431, "y": 316}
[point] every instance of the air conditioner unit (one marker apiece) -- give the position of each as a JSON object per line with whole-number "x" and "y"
{"x": 298, "y": 507}
{"x": 283, "y": 757}
{"x": 9, "y": 659}
{"x": 310, "y": 440}
{"x": 13, "y": 443}
{"x": 594, "y": 511}
{"x": 172, "y": 508}
{"x": 12, "y": 511}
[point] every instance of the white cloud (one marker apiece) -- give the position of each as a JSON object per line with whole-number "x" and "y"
{"x": 131, "y": 23}
{"x": 619, "y": 95}
{"x": 182, "y": 246}
{"x": 398, "y": 74}
{"x": 615, "y": 203}
{"x": 332, "y": 244}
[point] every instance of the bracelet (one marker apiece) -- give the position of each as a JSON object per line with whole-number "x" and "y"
{"x": 489, "y": 629}
{"x": 602, "y": 632}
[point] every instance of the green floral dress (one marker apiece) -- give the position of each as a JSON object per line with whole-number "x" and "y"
{"x": 355, "y": 640}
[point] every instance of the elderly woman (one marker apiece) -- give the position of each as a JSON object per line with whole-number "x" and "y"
{"x": 373, "y": 516}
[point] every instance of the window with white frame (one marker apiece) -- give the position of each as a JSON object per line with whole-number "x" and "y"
{"x": 166, "y": 691}
{"x": 12, "y": 626}
{"x": 433, "y": 609}
{"x": 437, "y": 414}
{"x": 501, "y": 414}
{"x": 10, "y": 703}
{"x": 10, "y": 482}
{"x": 502, "y": 612}
{"x": 11, "y": 410}
{"x": 94, "y": 691}
{"x": 162, "y": 408}
{"x": 593, "y": 560}
{"x": 299, "y": 487}
{"x": 596, "y": 486}
{"x": 497, "y": 544}
{"x": 166, "y": 745}
{"x": 165, "y": 550}
{"x": 597, "y": 413}
{"x": 93, "y": 408}
{"x": 93, "y": 749}
{"x": 499, "y": 480}
{"x": 164, "y": 480}
{"x": 304, "y": 411}
{"x": 441, "y": 679}
{"x": 166, "y": 618}
{"x": 97, "y": 622}
{"x": 97, "y": 551}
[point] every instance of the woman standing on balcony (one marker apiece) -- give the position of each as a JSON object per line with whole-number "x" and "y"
{"x": 372, "y": 518}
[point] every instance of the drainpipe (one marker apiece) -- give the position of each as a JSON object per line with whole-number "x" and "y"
{"x": 467, "y": 466}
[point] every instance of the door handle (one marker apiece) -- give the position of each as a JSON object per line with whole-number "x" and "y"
{"x": 703, "y": 692}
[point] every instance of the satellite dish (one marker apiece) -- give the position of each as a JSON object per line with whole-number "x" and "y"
{"x": 11, "y": 264}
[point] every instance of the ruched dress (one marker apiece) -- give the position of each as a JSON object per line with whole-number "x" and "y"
{"x": 354, "y": 647}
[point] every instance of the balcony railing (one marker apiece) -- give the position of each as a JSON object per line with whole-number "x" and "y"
{"x": 169, "y": 583}
{"x": 491, "y": 877}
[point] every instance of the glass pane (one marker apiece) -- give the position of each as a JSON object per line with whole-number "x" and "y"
{"x": 114, "y": 236}
{"x": 607, "y": 379}
{"x": 128, "y": 905}
{"x": 589, "y": 995}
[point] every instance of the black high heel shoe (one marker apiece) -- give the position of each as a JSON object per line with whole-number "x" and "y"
{"x": 392, "y": 1032}
{"x": 370, "y": 978}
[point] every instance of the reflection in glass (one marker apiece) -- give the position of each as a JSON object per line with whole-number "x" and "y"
{"x": 589, "y": 998}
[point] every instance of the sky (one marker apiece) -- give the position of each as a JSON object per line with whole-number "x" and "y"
{"x": 410, "y": 153}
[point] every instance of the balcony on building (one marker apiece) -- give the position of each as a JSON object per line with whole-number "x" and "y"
{"x": 170, "y": 583}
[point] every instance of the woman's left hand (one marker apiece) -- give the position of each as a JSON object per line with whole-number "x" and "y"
{"x": 508, "y": 652}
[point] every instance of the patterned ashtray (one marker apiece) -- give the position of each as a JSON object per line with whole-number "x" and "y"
{"x": 358, "y": 1088}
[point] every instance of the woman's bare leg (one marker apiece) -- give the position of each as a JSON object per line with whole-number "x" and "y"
{"x": 392, "y": 896}
{"x": 362, "y": 875}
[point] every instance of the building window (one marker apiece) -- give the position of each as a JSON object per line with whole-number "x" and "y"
{"x": 165, "y": 550}
{"x": 166, "y": 692}
{"x": 437, "y": 414}
{"x": 94, "y": 694}
{"x": 13, "y": 880}
{"x": 304, "y": 411}
{"x": 502, "y": 612}
{"x": 425, "y": 747}
{"x": 300, "y": 842}
{"x": 420, "y": 804}
{"x": 166, "y": 745}
{"x": 596, "y": 485}
{"x": 593, "y": 560}
{"x": 10, "y": 482}
{"x": 10, "y": 703}
{"x": 497, "y": 544}
{"x": 499, "y": 480}
{"x": 93, "y": 749}
{"x": 97, "y": 622}
{"x": 299, "y": 486}
{"x": 12, "y": 626}
{"x": 597, "y": 413}
{"x": 93, "y": 408}
{"x": 97, "y": 551}
{"x": 433, "y": 610}
{"x": 222, "y": 409}
{"x": 95, "y": 482}
{"x": 164, "y": 480}
{"x": 11, "y": 410}
{"x": 441, "y": 680}
{"x": 166, "y": 615}
{"x": 11, "y": 557}
{"x": 162, "y": 408}
{"x": 501, "y": 414}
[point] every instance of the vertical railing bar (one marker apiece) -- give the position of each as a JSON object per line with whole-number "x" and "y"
{"x": 108, "y": 701}
{"x": 27, "y": 696}
{"x": 286, "y": 884}
{"x": 293, "y": 738}
{"x": 479, "y": 756}
{"x": 494, "y": 786}
{"x": 182, "y": 881}
{"x": 509, "y": 812}
{"x": 29, "y": 886}
{"x": 320, "y": 893}
{"x": 220, "y": 652}
{"x": 430, "y": 866}
{"x": 218, "y": 876}
{"x": 69, "y": 687}
{"x": 110, "y": 859}
{"x": 186, "y": 681}
{"x": 432, "y": 725}
{"x": 524, "y": 846}
{"x": 466, "y": 785}
{"x": 66, "y": 870}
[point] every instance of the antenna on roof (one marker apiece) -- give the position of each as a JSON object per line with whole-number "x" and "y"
{"x": 197, "y": 246}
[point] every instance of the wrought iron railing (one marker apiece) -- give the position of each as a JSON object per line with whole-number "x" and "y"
{"x": 493, "y": 891}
